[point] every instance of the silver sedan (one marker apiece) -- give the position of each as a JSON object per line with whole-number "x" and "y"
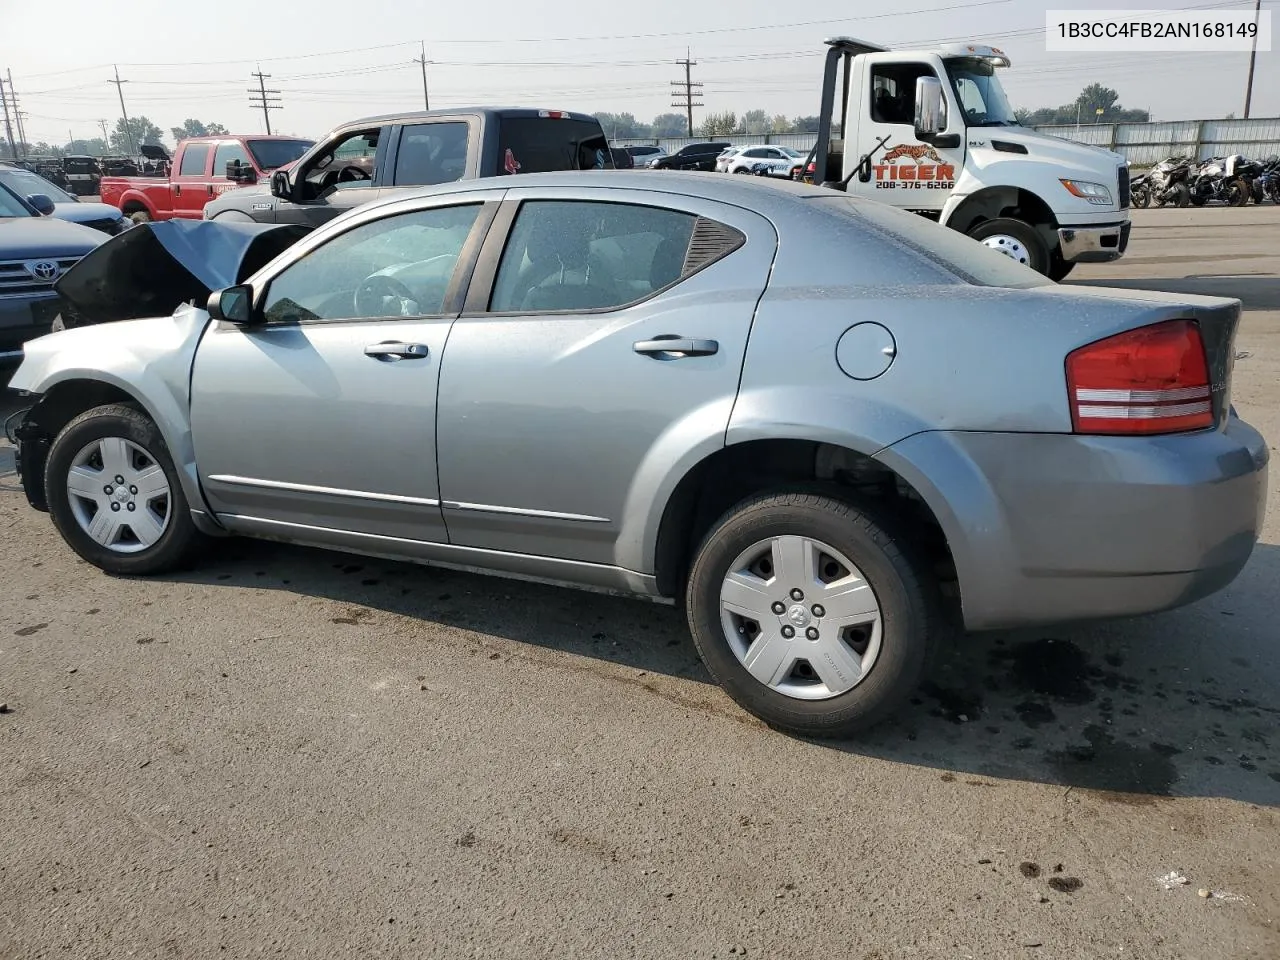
{"x": 829, "y": 429}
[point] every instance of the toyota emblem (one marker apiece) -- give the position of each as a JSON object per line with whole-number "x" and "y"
{"x": 43, "y": 269}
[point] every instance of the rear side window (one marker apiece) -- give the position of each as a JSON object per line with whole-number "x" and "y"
{"x": 432, "y": 153}
{"x": 583, "y": 255}
{"x": 967, "y": 259}
{"x": 545, "y": 144}
{"x": 194, "y": 159}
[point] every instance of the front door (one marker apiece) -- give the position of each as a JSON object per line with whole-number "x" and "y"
{"x": 190, "y": 182}
{"x": 321, "y": 418}
{"x": 904, "y": 172}
{"x": 601, "y": 343}
{"x": 332, "y": 180}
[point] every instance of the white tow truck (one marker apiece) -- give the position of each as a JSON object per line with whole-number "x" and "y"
{"x": 931, "y": 131}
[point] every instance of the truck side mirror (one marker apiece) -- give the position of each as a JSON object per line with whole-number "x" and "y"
{"x": 931, "y": 109}
{"x": 280, "y": 186}
{"x": 232, "y": 304}
{"x": 240, "y": 172}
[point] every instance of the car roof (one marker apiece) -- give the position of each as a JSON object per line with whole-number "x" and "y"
{"x": 513, "y": 112}
{"x": 765, "y": 194}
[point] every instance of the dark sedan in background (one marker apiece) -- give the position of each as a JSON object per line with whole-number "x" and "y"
{"x": 692, "y": 156}
{"x": 63, "y": 205}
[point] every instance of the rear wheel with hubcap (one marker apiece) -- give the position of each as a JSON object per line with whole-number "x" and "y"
{"x": 1015, "y": 239}
{"x": 115, "y": 496}
{"x": 809, "y": 614}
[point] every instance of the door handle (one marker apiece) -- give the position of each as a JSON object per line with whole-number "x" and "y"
{"x": 393, "y": 350}
{"x": 669, "y": 344}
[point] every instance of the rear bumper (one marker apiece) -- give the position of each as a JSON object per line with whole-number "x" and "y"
{"x": 1047, "y": 528}
{"x": 1090, "y": 244}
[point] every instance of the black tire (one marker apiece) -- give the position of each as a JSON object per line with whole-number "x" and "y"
{"x": 1059, "y": 268}
{"x": 1182, "y": 196}
{"x": 1024, "y": 233}
{"x": 907, "y": 596}
{"x": 176, "y": 545}
{"x": 1238, "y": 192}
{"x": 1142, "y": 197}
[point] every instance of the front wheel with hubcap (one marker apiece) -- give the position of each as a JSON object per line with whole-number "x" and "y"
{"x": 1015, "y": 239}
{"x": 115, "y": 496}
{"x": 809, "y": 614}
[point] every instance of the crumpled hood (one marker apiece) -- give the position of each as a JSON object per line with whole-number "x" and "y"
{"x": 154, "y": 268}
{"x": 1041, "y": 146}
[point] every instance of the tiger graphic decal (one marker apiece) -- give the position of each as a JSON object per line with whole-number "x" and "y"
{"x": 927, "y": 170}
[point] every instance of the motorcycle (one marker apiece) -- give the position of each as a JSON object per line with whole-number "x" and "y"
{"x": 1216, "y": 179}
{"x": 1266, "y": 185}
{"x": 1169, "y": 182}
{"x": 1140, "y": 190}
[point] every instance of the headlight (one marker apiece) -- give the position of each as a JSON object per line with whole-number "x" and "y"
{"x": 1093, "y": 192}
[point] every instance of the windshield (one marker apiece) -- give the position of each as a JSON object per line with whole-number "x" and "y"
{"x": 276, "y": 153}
{"x": 11, "y": 206}
{"x": 980, "y": 94}
{"x": 25, "y": 183}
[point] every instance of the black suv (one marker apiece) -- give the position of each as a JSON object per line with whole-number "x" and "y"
{"x": 34, "y": 252}
{"x": 692, "y": 156}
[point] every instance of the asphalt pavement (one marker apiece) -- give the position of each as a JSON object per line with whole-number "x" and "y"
{"x": 307, "y": 754}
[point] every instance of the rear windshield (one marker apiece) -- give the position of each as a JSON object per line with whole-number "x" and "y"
{"x": 545, "y": 144}
{"x": 949, "y": 249}
{"x": 276, "y": 153}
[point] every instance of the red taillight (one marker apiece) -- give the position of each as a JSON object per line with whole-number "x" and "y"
{"x": 1151, "y": 380}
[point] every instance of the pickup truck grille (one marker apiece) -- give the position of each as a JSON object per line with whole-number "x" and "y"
{"x": 1124, "y": 187}
{"x": 18, "y": 279}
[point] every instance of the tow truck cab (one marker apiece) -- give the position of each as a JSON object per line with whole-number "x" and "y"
{"x": 931, "y": 131}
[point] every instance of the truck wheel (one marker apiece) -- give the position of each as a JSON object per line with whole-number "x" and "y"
{"x": 809, "y": 614}
{"x": 115, "y": 495}
{"x": 1059, "y": 268}
{"x": 1016, "y": 240}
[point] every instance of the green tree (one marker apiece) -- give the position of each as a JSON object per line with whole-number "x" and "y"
{"x": 1083, "y": 109}
{"x": 805, "y": 125}
{"x": 42, "y": 149}
{"x": 780, "y": 124}
{"x": 622, "y": 125}
{"x": 197, "y": 128}
{"x": 97, "y": 147}
{"x": 720, "y": 124}
{"x": 756, "y": 122}
{"x": 669, "y": 125}
{"x": 139, "y": 131}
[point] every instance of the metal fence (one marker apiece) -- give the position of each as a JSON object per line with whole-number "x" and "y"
{"x": 1142, "y": 144}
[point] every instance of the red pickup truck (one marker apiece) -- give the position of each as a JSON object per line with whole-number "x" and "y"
{"x": 203, "y": 168}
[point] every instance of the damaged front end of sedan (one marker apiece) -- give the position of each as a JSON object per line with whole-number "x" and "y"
{"x": 154, "y": 270}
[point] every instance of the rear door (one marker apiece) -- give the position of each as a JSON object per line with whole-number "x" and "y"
{"x": 601, "y": 342}
{"x": 189, "y": 183}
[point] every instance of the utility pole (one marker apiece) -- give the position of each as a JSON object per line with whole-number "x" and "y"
{"x": 1253, "y": 56}
{"x": 426, "y": 100}
{"x": 128, "y": 131}
{"x": 71, "y": 141}
{"x": 106, "y": 139}
{"x": 8, "y": 127}
{"x": 17, "y": 116}
{"x": 685, "y": 90}
{"x": 260, "y": 98}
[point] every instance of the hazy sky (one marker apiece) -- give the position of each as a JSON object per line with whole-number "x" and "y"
{"x": 336, "y": 60}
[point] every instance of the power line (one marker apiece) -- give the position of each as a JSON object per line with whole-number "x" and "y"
{"x": 261, "y": 98}
{"x": 687, "y": 85}
{"x": 128, "y": 131}
{"x": 426, "y": 100}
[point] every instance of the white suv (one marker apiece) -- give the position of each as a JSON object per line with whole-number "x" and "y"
{"x": 780, "y": 160}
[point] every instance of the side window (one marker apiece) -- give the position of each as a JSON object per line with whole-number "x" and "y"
{"x": 432, "y": 153}
{"x": 399, "y": 266}
{"x": 893, "y": 91}
{"x": 193, "y": 160}
{"x": 756, "y": 153}
{"x": 348, "y": 165}
{"x": 225, "y": 153}
{"x": 582, "y": 255}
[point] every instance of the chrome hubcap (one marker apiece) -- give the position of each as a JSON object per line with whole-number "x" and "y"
{"x": 800, "y": 617}
{"x": 118, "y": 494}
{"x": 1011, "y": 247}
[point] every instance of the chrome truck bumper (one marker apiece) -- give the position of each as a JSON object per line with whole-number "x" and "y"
{"x": 1100, "y": 244}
